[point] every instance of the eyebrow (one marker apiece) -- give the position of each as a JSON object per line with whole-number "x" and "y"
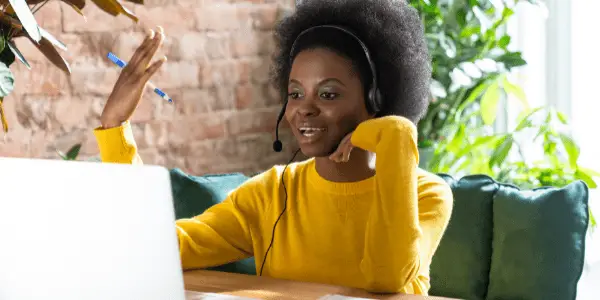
{"x": 322, "y": 81}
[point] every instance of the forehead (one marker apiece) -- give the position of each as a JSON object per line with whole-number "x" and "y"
{"x": 320, "y": 63}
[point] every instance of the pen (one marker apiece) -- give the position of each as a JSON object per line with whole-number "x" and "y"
{"x": 119, "y": 62}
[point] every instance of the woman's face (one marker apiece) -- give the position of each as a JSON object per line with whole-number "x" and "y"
{"x": 325, "y": 101}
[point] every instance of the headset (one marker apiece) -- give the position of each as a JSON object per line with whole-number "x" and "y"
{"x": 373, "y": 107}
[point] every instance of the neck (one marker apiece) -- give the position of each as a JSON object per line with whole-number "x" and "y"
{"x": 357, "y": 168}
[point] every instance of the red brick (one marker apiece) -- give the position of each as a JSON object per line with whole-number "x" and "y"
{"x": 177, "y": 74}
{"x": 226, "y": 72}
{"x": 69, "y": 112}
{"x": 244, "y": 43}
{"x": 187, "y": 45}
{"x": 32, "y": 111}
{"x": 252, "y": 121}
{"x": 264, "y": 16}
{"x": 188, "y": 129}
{"x": 49, "y": 17}
{"x": 43, "y": 78}
{"x": 259, "y": 69}
{"x": 255, "y": 96}
{"x": 85, "y": 46}
{"x": 93, "y": 76}
{"x": 151, "y": 156}
{"x": 30, "y": 52}
{"x": 218, "y": 17}
{"x": 95, "y": 20}
{"x": 198, "y": 101}
{"x": 16, "y": 142}
{"x": 172, "y": 18}
{"x": 146, "y": 110}
{"x": 217, "y": 45}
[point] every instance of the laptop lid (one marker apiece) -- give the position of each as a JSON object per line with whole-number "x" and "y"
{"x": 86, "y": 230}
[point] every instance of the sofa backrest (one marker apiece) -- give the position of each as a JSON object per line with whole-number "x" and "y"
{"x": 501, "y": 243}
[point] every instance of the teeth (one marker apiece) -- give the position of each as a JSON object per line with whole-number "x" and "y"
{"x": 310, "y": 131}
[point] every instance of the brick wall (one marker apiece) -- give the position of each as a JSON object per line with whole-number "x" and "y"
{"x": 217, "y": 73}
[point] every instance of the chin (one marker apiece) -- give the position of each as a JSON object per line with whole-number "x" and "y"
{"x": 316, "y": 150}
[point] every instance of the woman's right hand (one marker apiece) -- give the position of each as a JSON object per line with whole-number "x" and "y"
{"x": 128, "y": 90}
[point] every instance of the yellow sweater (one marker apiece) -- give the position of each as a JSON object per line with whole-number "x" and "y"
{"x": 378, "y": 234}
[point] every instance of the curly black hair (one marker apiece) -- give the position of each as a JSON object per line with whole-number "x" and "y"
{"x": 391, "y": 30}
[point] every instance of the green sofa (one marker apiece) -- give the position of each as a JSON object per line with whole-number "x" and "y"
{"x": 501, "y": 243}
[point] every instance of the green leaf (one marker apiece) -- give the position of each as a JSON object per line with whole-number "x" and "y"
{"x": 512, "y": 60}
{"x": 475, "y": 93}
{"x": 572, "y": 149}
{"x": 6, "y": 56}
{"x": 27, "y": 19}
{"x": 504, "y": 41}
{"x": 524, "y": 120}
{"x": 73, "y": 152}
{"x": 458, "y": 140}
{"x": 516, "y": 91}
{"x": 589, "y": 171}
{"x": 586, "y": 178}
{"x": 489, "y": 104}
{"x": 61, "y": 154}
{"x": 18, "y": 54}
{"x": 562, "y": 117}
{"x": 7, "y": 80}
{"x": 502, "y": 150}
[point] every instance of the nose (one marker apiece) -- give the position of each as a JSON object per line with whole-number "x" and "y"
{"x": 308, "y": 108}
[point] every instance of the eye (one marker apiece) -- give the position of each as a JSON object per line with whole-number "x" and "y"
{"x": 293, "y": 95}
{"x": 329, "y": 95}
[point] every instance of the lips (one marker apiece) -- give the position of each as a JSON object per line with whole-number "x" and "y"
{"x": 310, "y": 133}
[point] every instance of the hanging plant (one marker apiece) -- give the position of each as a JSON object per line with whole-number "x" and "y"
{"x": 17, "y": 20}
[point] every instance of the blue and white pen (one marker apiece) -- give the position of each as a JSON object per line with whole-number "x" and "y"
{"x": 119, "y": 62}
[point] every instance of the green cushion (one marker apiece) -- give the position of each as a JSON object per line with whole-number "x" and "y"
{"x": 192, "y": 195}
{"x": 460, "y": 266}
{"x": 539, "y": 241}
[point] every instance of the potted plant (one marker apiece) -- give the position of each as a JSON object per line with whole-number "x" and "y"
{"x": 471, "y": 64}
{"x": 469, "y": 50}
{"x": 17, "y": 20}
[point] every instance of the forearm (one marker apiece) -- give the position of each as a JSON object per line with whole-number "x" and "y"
{"x": 391, "y": 254}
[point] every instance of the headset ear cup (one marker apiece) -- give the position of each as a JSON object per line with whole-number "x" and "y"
{"x": 378, "y": 100}
{"x": 374, "y": 101}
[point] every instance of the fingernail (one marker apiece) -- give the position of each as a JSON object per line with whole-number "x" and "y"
{"x": 151, "y": 33}
{"x": 160, "y": 29}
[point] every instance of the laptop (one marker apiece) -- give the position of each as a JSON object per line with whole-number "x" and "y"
{"x": 87, "y": 230}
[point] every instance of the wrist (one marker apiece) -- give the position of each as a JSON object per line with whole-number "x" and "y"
{"x": 108, "y": 123}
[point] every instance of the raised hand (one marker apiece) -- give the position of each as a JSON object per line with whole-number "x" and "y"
{"x": 342, "y": 153}
{"x": 130, "y": 85}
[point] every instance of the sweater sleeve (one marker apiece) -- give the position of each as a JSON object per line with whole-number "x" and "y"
{"x": 408, "y": 218}
{"x": 219, "y": 235}
{"x": 117, "y": 145}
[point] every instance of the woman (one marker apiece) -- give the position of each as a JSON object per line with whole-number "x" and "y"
{"x": 339, "y": 220}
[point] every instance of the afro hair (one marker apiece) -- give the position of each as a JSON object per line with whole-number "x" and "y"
{"x": 393, "y": 34}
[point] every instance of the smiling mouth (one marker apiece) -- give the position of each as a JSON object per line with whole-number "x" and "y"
{"x": 310, "y": 131}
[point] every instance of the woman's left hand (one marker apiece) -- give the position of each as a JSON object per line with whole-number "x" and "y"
{"x": 342, "y": 153}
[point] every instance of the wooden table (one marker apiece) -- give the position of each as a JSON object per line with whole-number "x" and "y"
{"x": 270, "y": 288}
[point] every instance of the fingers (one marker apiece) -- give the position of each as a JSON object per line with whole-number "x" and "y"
{"x": 342, "y": 153}
{"x": 144, "y": 53}
{"x": 153, "y": 68}
{"x": 347, "y": 151}
{"x": 149, "y": 51}
{"x": 139, "y": 51}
